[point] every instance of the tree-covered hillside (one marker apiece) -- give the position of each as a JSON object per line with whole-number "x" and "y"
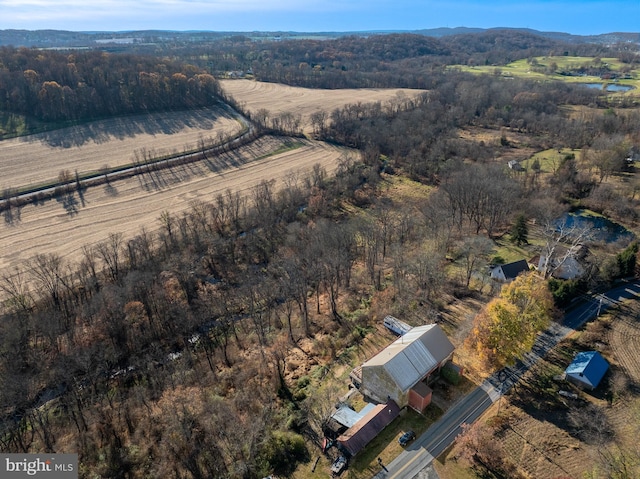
{"x": 79, "y": 85}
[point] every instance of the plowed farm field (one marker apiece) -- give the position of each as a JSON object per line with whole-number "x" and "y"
{"x": 36, "y": 159}
{"x": 624, "y": 339}
{"x": 65, "y": 225}
{"x": 277, "y": 99}
{"x": 541, "y": 439}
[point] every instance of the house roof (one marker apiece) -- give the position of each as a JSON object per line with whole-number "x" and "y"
{"x": 348, "y": 417}
{"x": 422, "y": 389}
{"x": 408, "y": 359}
{"x": 511, "y": 270}
{"x": 588, "y": 367}
{"x": 358, "y": 436}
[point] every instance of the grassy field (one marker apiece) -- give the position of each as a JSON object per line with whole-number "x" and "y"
{"x": 549, "y": 160}
{"x": 14, "y": 124}
{"x": 540, "y": 67}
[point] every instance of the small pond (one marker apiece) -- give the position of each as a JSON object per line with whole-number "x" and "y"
{"x": 603, "y": 229}
{"x": 610, "y": 86}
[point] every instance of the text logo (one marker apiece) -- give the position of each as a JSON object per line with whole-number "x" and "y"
{"x": 46, "y": 466}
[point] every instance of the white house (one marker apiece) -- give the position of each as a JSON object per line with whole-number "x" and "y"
{"x": 508, "y": 272}
{"x": 569, "y": 268}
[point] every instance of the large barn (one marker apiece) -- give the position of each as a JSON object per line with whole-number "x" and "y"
{"x": 403, "y": 369}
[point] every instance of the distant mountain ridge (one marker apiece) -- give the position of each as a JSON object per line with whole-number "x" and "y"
{"x": 612, "y": 37}
{"x": 71, "y": 39}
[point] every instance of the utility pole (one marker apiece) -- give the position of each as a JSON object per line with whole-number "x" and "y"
{"x": 599, "y": 307}
{"x": 502, "y": 376}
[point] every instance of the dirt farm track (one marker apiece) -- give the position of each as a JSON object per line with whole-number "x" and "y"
{"x": 34, "y": 159}
{"x": 125, "y": 206}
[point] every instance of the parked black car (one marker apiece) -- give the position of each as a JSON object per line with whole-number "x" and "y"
{"x": 406, "y": 438}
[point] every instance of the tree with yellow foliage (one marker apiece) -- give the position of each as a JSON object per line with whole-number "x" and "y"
{"x": 507, "y": 328}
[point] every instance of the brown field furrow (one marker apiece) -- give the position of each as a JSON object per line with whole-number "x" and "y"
{"x": 624, "y": 338}
{"x": 544, "y": 450}
{"x": 65, "y": 226}
{"x": 126, "y": 206}
{"x": 35, "y": 159}
{"x": 277, "y": 99}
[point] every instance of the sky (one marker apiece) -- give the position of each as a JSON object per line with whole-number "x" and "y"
{"x": 581, "y": 17}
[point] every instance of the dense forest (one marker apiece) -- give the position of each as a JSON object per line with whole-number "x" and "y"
{"x": 166, "y": 355}
{"x": 54, "y": 86}
{"x": 399, "y": 60}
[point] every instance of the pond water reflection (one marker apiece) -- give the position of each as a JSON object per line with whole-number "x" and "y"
{"x": 610, "y": 86}
{"x": 603, "y": 229}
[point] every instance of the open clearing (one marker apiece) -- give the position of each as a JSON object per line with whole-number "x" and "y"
{"x": 36, "y": 159}
{"x": 278, "y": 99}
{"x": 624, "y": 339}
{"x": 64, "y": 226}
{"x": 524, "y": 69}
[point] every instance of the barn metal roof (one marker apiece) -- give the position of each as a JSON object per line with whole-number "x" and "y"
{"x": 412, "y": 356}
{"x": 348, "y": 417}
{"x": 361, "y": 433}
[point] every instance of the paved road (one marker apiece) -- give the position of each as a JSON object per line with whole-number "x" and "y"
{"x": 417, "y": 458}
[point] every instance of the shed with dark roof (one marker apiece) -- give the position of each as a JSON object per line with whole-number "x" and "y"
{"x": 362, "y": 433}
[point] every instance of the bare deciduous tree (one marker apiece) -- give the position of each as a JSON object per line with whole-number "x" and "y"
{"x": 15, "y": 286}
{"x": 473, "y": 252}
{"x": 109, "y": 251}
{"x": 46, "y": 270}
{"x": 591, "y": 424}
{"x": 564, "y": 242}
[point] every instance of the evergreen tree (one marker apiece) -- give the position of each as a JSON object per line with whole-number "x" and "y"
{"x": 520, "y": 231}
{"x": 627, "y": 260}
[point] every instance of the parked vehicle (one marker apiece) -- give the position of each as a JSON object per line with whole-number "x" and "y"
{"x": 339, "y": 465}
{"x": 396, "y": 326}
{"x": 406, "y": 438}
